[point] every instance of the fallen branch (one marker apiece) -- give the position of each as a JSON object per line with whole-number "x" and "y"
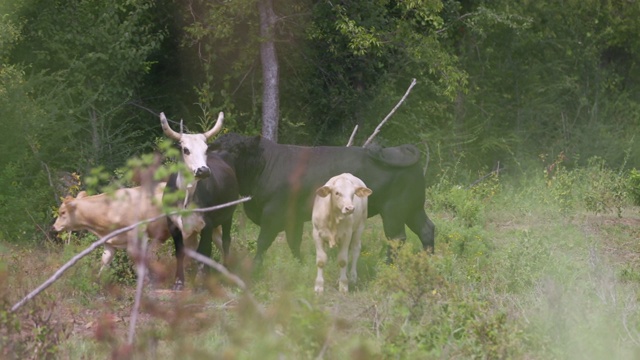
{"x": 496, "y": 171}
{"x": 223, "y": 270}
{"x": 100, "y": 242}
{"x": 377, "y": 130}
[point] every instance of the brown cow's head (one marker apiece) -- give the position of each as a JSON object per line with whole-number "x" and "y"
{"x": 193, "y": 146}
{"x": 66, "y": 213}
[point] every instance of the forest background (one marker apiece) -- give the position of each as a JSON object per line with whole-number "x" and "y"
{"x": 502, "y": 82}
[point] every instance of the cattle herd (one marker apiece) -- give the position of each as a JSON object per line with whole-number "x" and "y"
{"x": 337, "y": 188}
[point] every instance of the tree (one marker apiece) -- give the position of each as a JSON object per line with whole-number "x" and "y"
{"x": 270, "y": 71}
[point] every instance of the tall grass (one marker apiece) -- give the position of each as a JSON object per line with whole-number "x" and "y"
{"x": 525, "y": 268}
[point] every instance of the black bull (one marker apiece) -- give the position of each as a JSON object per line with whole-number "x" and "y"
{"x": 282, "y": 180}
{"x": 208, "y": 193}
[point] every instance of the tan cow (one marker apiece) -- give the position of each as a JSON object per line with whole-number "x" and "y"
{"x": 101, "y": 214}
{"x": 339, "y": 213}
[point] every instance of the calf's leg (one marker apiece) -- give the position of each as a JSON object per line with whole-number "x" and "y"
{"x": 107, "y": 256}
{"x": 356, "y": 245}
{"x": 343, "y": 258}
{"x": 321, "y": 261}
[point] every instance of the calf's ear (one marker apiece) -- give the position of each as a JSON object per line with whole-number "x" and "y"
{"x": 81, "y": 194}
{"x": 363, "y": 192}
{"x": 323, "y": 191}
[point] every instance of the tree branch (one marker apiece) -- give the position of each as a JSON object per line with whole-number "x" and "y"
{"x": 223, "y": 270}
{"x": 353, "y": 134}
{"x": 377, "y": 130}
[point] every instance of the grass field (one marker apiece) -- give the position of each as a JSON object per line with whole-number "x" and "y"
{"x": 529, "y": 268}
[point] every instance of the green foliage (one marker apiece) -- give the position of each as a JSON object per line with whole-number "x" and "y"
{"x": 606, "y": 190}
{"x": 634, "y": 186}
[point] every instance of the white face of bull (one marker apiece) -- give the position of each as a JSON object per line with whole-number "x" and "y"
{"x": 193, "y": 146}
{"x": 342, "y": 192}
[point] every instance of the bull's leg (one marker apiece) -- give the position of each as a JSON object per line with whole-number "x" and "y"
{"x": 176, "y": 234}
{"x": 356, "y": 245}
{"x": 226, "y": 242}
{"x": 344, "y": 242}
{"x": 294, "y": 238}
{"x": 393, "y": 230}
{"x": 216, "y": 236}
{"x": 205, "y": 248}
{"x": 265, "y": 239}
{"x": 420, "y": 224}
{"x": 107, "y": 255}
{"x": 321, "y": 261}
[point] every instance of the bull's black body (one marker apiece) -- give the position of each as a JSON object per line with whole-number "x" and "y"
{"x": 282, "y": 180}
{"x": 219, "y": 188}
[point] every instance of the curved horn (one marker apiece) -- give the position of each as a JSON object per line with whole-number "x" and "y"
{"x": 216, "y": 128}
{"x": 167, "y": 129}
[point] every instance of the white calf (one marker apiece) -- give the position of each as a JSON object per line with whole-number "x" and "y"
{"x": 339, "y": 212}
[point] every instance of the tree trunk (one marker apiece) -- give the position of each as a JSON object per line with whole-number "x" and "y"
{"x": 270, "y": 70}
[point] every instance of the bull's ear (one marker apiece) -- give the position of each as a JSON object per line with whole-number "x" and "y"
{"x": 323, "y": 191}
{"x": 363, "y": 192}
{"x": 81, "y": 194}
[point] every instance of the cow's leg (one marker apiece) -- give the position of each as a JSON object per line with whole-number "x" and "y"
{"x": 265, "y": 239}
{"x": 344, "y": 242}
{"x": 216, "y": 236}
{"x": 321, "y": 261}
{"x": 226, "y": 241}
{"x": 294, "y": 238}
{"x": 178, "y": 242}
{"x": 420, "y": 224}
{"x": 205, "y": 248}
{"x": 393, "y": 229}
{"x": 356, "y": 245}
{"x": 107, "y": 255}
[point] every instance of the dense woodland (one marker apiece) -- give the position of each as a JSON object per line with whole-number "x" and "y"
{"x": 505, "y": 82}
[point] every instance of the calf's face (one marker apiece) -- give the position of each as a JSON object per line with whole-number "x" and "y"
{"x": 66, "y": 213}
{"x": 342, "y": 192}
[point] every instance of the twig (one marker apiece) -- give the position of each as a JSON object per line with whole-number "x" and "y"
{"x": 353, "y": 134}
{"x": 426, "y": 163}
{"x": 377, "y": 130}
{"x": 38, "y": 226}
{"x": 53, "y": 188}
{"x": 223, "y": 270}
{"x": 100, "y": 242}
{"x": 496, "y": 171}
{"x": 141, "y": 269}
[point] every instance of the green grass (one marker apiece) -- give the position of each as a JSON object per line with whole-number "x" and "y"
{"x": 522, "y": 270}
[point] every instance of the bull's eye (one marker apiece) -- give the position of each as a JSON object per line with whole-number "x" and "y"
{"x": 186, "y": 151}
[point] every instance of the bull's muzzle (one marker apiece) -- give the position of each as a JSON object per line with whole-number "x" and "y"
{"x": 202, "y": 172}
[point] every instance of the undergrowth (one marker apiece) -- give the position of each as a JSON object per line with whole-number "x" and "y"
{"x": 542, "y": 265}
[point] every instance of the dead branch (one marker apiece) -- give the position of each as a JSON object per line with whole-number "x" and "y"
{"x": 426, "y": 163}
{"x": 141, "y": 268}
{"x": 377, "y": 130}
{"x": 38, "y": 226}
{"x": 223, "y": 270}
{"x": 353, "y": 134}
{"x": 58, "y": 274}
{"x": 497, "y": 171}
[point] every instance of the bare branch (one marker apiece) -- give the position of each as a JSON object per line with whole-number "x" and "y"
{"x": 223, "y": 270}
{"x": 377, "y": 130}
{"x": 141, "y": 269}
{"x": 353, "y": 134}
{"x": 58, "y": 274}
{"x": 216, "y": 265}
